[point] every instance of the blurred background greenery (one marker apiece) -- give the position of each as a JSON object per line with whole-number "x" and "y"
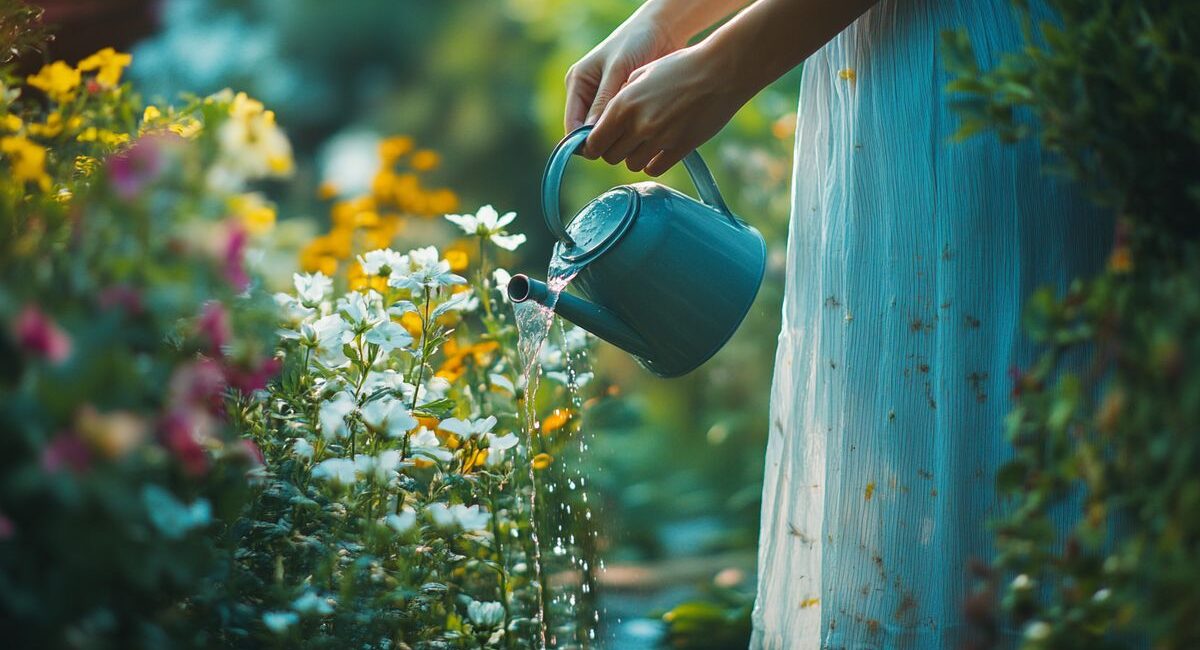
{"x": 677, "y": 463}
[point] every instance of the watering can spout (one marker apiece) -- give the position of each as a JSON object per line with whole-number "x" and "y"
{"x": 588, "y": 315}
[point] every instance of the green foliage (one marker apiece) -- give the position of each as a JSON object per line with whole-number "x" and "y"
{"x": 1104, "y": 426}
{"x": 125, "y": 318}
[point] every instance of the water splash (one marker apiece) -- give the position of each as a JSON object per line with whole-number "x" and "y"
{"x": 573, "y": 534}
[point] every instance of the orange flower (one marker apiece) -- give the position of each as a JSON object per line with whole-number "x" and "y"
{"x": 556, "y": 420}
{"x": 458, "y": 260}
{"x": 412, "y": 322}
{"x": 425, "y": 160}
{"x": 393, "y": 148}
{"x": 1120, "y": 260}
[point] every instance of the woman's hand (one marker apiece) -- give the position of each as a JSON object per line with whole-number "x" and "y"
{"x": 595, "y": 79}
{"x": 668, "y": 108}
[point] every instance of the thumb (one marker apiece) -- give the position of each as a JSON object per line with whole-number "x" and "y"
{"x": 609, "y": 86}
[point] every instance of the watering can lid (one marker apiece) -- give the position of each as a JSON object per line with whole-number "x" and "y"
{"x": 599, "y": 224}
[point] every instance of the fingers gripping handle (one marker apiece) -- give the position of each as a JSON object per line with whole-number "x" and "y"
{"x": 702, "y": 178}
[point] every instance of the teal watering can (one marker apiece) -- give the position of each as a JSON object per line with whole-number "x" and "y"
{"x": 661, "y": 275}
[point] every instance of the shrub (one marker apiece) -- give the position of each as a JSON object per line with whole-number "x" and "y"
{"x": 1114, "y": 89}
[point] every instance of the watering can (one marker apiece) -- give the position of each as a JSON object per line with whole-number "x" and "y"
{"x": 661, "y": 275}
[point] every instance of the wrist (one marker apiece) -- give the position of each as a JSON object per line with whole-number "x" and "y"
{"x": 721, "y": 67}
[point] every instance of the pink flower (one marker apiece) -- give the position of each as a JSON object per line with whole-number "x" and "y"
{"x": 179, "y": 438}
{"x": 66, "y": 451}
{"x": 7, "y": 529}
{"x": 121, "y": 295}
{"x": 37, "y": 333}
{"x": 198, "y": 384}
{"x": 214, "y": 325}
{"x": 254, "y": 378}
{"x": 234, "y": 259}
{"x": 130, "y": 171}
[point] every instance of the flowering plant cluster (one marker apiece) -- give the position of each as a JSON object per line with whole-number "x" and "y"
{"x": 127, "y": 316}
{"x": 396, "y": 508}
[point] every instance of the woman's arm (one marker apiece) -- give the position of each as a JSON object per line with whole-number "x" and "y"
{"x": 656, "y": 29}
{"x": 673, "y": 104}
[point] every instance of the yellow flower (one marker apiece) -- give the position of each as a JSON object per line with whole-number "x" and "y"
{"x": 12, "y": 123}
{"x": 556, "y": 420}
{"x": 113, "y": 434}
{"x": 110, "y": 64}
{"x": 424, "y": 160}
{"x": 186, "y": 127}
{"x": 1121, "y": 260}
{"x": 458, "y": 260}
{"x": 51, "y": 128}
{"x": 85, "y": 166}
{"x": 28, "y": 160}
{"x": 110, "y": 138}
{"x": 327, "y": 190}
{"x": 151, "y": 113}
{"x": 542, "y": 461}
{"x": 58, "y": 80}
{"x": 254, "y": 211}
{"x": 391, "y": 149}
{"x": 847, "y": 74}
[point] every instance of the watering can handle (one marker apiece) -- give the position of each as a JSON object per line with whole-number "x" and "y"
{"x": 702, "y": 178}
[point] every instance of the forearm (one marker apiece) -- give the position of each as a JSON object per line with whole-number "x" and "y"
{"x": 683, "y": 19}
{"x": 771, "y": 37}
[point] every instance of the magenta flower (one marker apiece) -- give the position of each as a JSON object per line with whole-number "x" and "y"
{"x": 248, "y": 380}
{"x": 132, "y": 170}
{"x": 36, "y": 333}
{"x": 66, "y": 451}
{"x": 198, "y": 385}
{"x": 120, "y": 295}
{"x": 214, "y": 325}
{"x": 178, "y": 436}
{"x": 235, "y": 265}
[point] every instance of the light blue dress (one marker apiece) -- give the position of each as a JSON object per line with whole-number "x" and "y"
{"x": 909, "y": 258}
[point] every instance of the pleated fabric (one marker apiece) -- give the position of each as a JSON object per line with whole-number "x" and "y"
{"x": 909, "y": 258}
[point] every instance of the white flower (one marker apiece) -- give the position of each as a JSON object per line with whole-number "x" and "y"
{"x": 311, "y": 603}
{"x": 487, "y": 614}
{"x": 403, "y": 522}
{"x": 469, "y": 428}
{"x": 389, "y": 336}
{"x": 563, "y": 378}
{"x": 428, "y": 271}
{"x": 362, "y": 311}
{"x": 302, "y": 449}
{"x": 279, "y": 622}
{"x": 383, "y": 262}
{"x": 312, "y": 288}
{"x": 251, "y": 146}
{"x": 338, "y": 470}
{"x": 500, "y": 381}
{"x": 426, "y": 443}
{"x": 389, "y": 416}
{"x": 332, "y": 416}
{"x": 502, "y": 278}
{"x": 387, "y": 379}
{"x": 489, "y": 224}
{"x": 497, "y": 446}
{"x": 292, "y": 309}
{"x": 462, "y": 301}
{"x": 332, "y": 333}
{"x": 1038, "y": 631}
{"x": 575, "y": 339}
{"x": 433, "y": 390}
{"x": 459, "y": 516}
{"x": 384, "y": 467}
